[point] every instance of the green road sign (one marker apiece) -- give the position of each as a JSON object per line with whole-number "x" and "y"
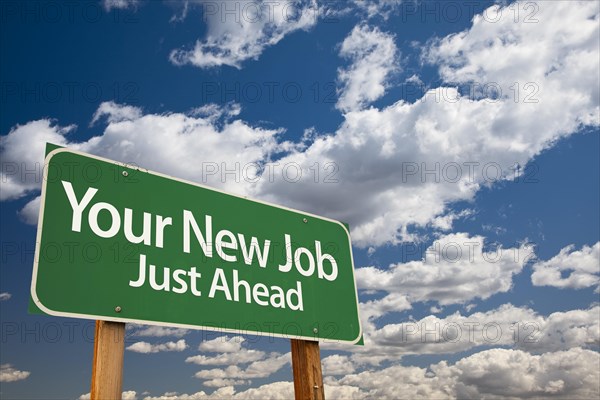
{"x": 124, "y": 244}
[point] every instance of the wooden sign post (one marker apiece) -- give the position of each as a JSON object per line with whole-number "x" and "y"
{"x": 306, "y": 364}
{"x": 107, "y": 367}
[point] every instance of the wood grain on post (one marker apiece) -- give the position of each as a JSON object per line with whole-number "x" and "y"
{"x": 306, "y": 364}
{"x": 107, "y": 368}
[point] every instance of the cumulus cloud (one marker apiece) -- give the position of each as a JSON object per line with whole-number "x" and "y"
{"x": 129, "y": 395}
{"x": 337, "y": 365}
{"x": 10, "y": 374}
{"x": 562, "y": 330}
{"x": 415, "y": 158}
{"x": 456, "y": 268}
{"x": 145, "y": 347}
{"x": 257, "y": 369}
{"x": 271, "y": 391}
{"x": 22, "y": 151}
{"x": 215, "y": 111}
{"x": 275, "y": 390}
{"x": 373, "y": 56}
{"x": 5, "y": 296}
{"x": 371, "y": 310}
{"x": 31, "y": 212}
{"x": 242, "y": 356}
{"x": 494, "y": 374}
{"x": 156, "y": 331}
{"x": 497, "y": 49}
{"x": 507, "y": 325}
{"x": 573, "y": 269}
{"x": 234, "y": 37}
{"x": 499, "y": 373}
{"x": 126, "y": 395}
{"x": 224, "y": 382}
{"x": 114, "y": 112}
{"x": 402, "y": 165}
{"x": 178, "y": 140}
{"x": 223, "y": 344}
{"x": 233, "y": 355}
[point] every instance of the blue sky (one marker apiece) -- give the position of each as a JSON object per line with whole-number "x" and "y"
{"x": 441, "y": 125}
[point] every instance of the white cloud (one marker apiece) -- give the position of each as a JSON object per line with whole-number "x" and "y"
{"x": 234, "y": 37}
{"x": 178, "y": 140}
{"x": 156, "y": 331}
{"x": 543, "y": 49}
{"x": 337, "y": 365}
{"x": 270, "y": 391}
{"x": 257, "y": 369}
{"x": 382, "y": 156}
{"x": 5, "y": 296}
{"x": 505, "y": 326}
{"x": 126, "y": 395}
{"x": 435, "y": 310}
{"x": 374, "y": 153}
{"x": 276, "y": 390}
{"x": 119, "y": 4}
{"x": 339, "y": 391}
{"x": 129, "y": 395}
{"x": 582, "y": 266}
{"x": 227, "y": 391}
{"x": 445, "y": 222}
{"x": 500, "y": 373}
{"x": 145, "y": 347}
{"x": 390, "y": 303}
{"x": 224, "y": 382}
{"x": 563, "y": 330}
{"x": 455, "y": 269}
{"x": 242, "y": 356}
{"x": 116, "y": 112}
{"x": 373, "y": 55}
{"x": 232, "y": 354}
{"x": 9, "y": 374}
{"x": 377, "y": 8}
{"x": 493, "y": 374}
{"x": 22, "y": 152}
{"x": 470, "y": 306}
{"x": 30, "y": 213}
{"x": 374, "y": 309}
{"x": 215, "y": 111}
{"x": 222, "y": 344}
{"x": 387, "y": 383}
{"x": 508, "y": 325}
